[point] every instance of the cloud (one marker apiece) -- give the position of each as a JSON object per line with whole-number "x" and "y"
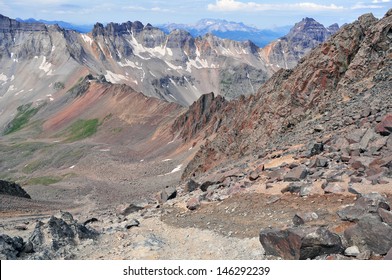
{"x": 233, "y": 5}
{"x": 361, "y": 5}
{"x": 153, "y": 9}
{"x": 380, "y": 1}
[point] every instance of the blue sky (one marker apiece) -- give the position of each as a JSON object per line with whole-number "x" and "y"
{"x": 262, "y": 14}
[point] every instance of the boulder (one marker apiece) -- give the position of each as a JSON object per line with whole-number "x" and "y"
{"x": 53, "y": 239}
{"x": 370, "y": 233}
{"x": 385, "y": 126}
{"x": 297, "y": 174}
{"x": 356, "y": 135}
{"x": 352, "y": 251}
{"x": 277, "y": 175}
{"x": 10, "y": 188}
{"x": 281, "y": 243}
{"x": 292, "y": 188}
{"x": 300, "y": 243}
{"x": 171, "y": 192}
{"x": 132, "y": 223}
{"x": 365, "y": 140}
{"x": 385, "y": 215}
{"x": 314, "y": 149}
{"x": 367, "y": 203}
{"x": 191, "y": 186}
{"x": 334, "y": 188}
{"x": 167, "y": 194}
{"x": 10, "y": 248}
{"x": 193, "y": 203}
{"x": 253, "y": 176}
{"x": 126, "y": 210}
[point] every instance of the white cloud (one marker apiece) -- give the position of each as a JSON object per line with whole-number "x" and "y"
{"x": 380, "y": 1}
{"x": 361, "y": 5}
{"x": 233, "y": 5}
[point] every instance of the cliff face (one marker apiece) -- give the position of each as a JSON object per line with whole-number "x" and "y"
{"x": 328, "y": 88}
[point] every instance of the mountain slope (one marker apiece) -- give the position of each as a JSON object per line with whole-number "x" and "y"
{"x": 331, "y": 83}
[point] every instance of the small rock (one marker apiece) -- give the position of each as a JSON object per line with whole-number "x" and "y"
{"x": 253, "y": 176}
{"x": 193, "y": 203}
{"x": 132, "y": 223}
{"x": 20, "y": 227}
{"x": 298, "y": 220}
{"x": 365, "y": 255}
{"x": 385, "y": 126}
{"x": 385, "y": 215}
{"x": 292, "y": 188}
{"x": 191, "y": 186}
{"x": 334, "y": 188}
{"x": 297, "y": 174}
{"x": 352, "y": 251}
{"x": 171, "y": 192}
{"x": 128, "y": 209}
{"x": 91, "y": 220}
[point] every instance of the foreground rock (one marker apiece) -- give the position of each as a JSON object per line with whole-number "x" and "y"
{"x": 54, "y": 239}
{"x": 300, "y": 243}
{"x": 370, "y": 233}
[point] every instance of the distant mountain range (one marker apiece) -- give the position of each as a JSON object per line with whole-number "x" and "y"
{"x": 230, "y": 30}
{"x": 236, "y": 31}
{"x": 85, "y": 28}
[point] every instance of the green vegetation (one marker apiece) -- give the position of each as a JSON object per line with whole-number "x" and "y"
{"x": 58, "y": 85}
{"x": 45, "y": 180}
{"x": 82, "y": 129}
{"x": 25, "y": 113}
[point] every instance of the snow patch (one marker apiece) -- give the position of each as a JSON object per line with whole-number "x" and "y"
{"x": 168, "y": 159}
{"x": 172, "y": 96}
{"x": 130, "y": 64}
{"x": 72, "y": 167}
{"x": 87, "y": 39}
{"x": 178, "y": 168}
{"x": 53, "y": 48}
{"x": 3, "y": 78}
{"x": 45, "y": 66}
{"x": 11, "y": 88}
{"x": 16, "y": 94}
{"x": 114, "y": 78}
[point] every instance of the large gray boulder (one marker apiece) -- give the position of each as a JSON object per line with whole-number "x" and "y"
{"x": 300, "y": 243}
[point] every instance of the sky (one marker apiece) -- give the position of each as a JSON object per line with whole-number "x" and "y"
{"x": 261, "y": 14}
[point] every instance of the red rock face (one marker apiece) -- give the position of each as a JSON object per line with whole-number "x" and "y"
{"x": 202, "y": 115}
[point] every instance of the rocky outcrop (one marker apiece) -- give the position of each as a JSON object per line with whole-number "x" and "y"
{"x": 317, "y": 97}
{"x": 203, "y": 114}
{"x": 12, "y": 189}
{"x": 54, "y": 239}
